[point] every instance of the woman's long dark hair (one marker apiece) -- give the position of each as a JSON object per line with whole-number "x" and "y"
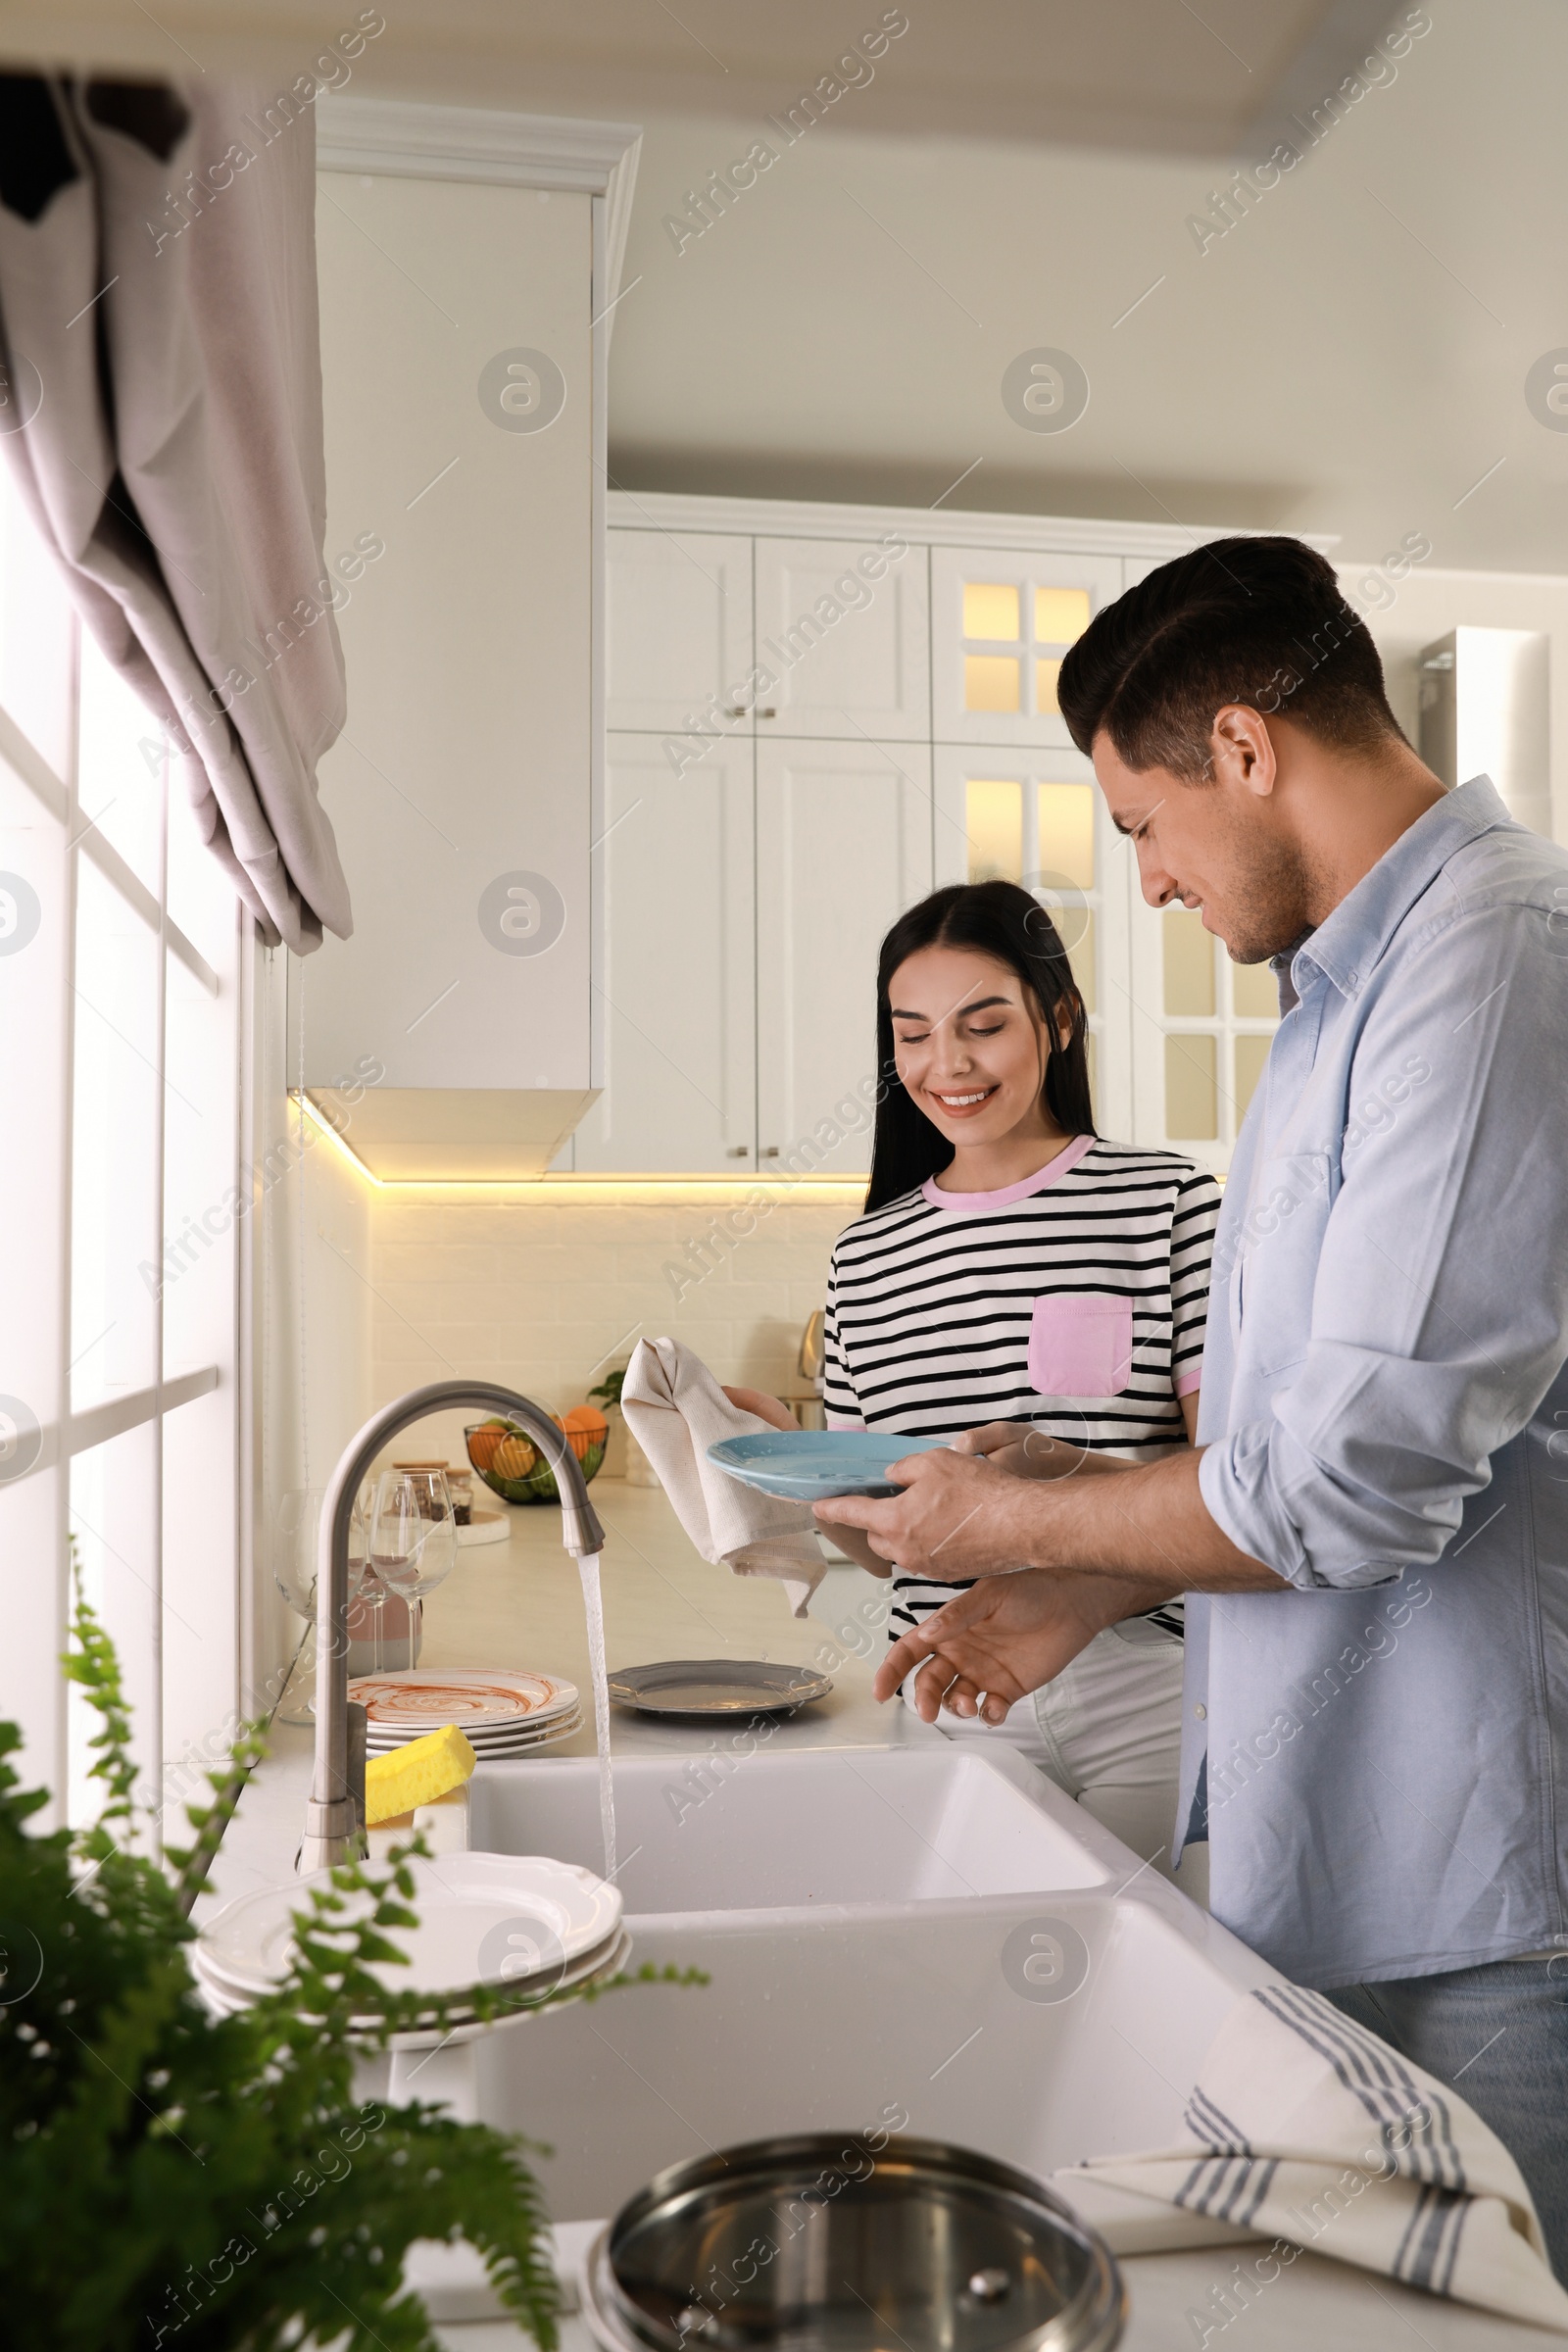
{"x": 1008, "y": 923}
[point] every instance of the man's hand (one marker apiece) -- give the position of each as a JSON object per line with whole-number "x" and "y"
{"x": 951, "y": 1522}
{"x": 958, "y": 1517}
{"x": 990, "y": 1647}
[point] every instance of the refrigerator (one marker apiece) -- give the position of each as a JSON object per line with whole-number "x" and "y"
{"x": 1485, "y": 710}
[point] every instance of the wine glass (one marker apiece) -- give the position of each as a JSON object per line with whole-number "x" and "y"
{"x": 296, "y": 1528}
{"x": 414, "y": 1539}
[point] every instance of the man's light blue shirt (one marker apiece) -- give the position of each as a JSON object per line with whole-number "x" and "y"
{"x": 1386, "y": 1411}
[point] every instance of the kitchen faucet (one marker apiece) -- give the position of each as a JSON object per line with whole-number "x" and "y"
{"x": 334, "y": 1819}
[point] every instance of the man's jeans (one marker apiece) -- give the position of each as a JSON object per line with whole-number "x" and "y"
{"x": 1499, "y": 2035}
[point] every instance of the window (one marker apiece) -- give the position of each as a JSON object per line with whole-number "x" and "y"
{"x": 120, "y": 963}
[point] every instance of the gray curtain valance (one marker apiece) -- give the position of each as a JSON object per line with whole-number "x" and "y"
{"x": 161, "y": 404}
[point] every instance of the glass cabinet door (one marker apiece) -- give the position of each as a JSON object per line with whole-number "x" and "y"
{"x": 1201, "y": 1030}
{"x": 1001, "y": 622}
{"x": 1038, "y": 818}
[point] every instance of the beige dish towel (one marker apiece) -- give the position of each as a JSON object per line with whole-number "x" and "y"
{"x": 1306, "y": 2129}
{"x": 675, "y": 1410}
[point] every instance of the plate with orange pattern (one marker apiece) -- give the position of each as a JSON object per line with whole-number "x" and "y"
{"x": 483, "y": 1707}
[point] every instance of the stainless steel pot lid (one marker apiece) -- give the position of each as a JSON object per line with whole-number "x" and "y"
{"x": 819, "y": 2244}
{"x": 716, "y": 1686}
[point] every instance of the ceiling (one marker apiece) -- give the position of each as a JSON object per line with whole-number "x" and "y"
{"x": 1350, "y": 356}
{"x": 1159, "y": 76}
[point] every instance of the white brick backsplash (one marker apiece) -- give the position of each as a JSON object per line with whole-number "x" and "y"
{"x": 537, "y": 1296}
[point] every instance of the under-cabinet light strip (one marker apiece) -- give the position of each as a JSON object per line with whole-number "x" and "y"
{"x": 556, "y": 1190}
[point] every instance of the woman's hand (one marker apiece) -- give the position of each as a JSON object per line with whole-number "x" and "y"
{"x": 856, "y": 1548}
{"x": 1027, "y": 1452}
{"x": 772, "y": 1409}
{"x": 778, "y": 1414}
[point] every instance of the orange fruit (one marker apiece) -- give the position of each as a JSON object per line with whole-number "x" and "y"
{"x": 585, "y": 1428}
{"x": 514, "y": 1458}
{"x": 482, "y": 1444}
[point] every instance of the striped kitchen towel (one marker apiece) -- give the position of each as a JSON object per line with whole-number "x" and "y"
{"x": 1307, "y": 2130}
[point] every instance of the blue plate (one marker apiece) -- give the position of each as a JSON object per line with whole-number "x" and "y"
{"x": 807, "y": 1465}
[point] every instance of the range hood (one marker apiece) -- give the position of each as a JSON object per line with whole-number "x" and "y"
{"x": 452, "y": 1135}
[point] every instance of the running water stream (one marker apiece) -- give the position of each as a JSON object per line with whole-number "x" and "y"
{"x": 594, "y": 1609}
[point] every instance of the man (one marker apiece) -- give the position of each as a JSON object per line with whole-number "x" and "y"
{"x": 1376, "y": 1710}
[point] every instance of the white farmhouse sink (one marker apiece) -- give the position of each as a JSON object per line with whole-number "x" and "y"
{"x": 936, "y": 1940}
{"x": 775, "y": 1833}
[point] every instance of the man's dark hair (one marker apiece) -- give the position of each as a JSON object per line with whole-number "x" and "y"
{"x": 1260, "y": 622}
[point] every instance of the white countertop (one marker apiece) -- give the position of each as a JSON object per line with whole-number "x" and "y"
{"x": 1315, "y": 2306}
{"x": 519, "y": 1604}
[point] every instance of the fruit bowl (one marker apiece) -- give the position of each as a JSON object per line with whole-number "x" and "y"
{"x": 511, "y": 1464}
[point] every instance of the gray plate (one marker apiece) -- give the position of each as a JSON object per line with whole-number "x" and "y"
{"x": 716, "y": 1686}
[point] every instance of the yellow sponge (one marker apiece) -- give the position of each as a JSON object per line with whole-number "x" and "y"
{"x": 416, "y": 1775}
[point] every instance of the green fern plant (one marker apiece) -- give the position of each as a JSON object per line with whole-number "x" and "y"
{"x": 168, "y": 2178}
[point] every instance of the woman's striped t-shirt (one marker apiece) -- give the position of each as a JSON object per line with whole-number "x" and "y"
{"x": 945, "y": 1309}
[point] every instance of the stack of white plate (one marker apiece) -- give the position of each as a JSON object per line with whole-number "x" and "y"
{"x": 500, "y": 1712}
{"x": 524, "y": 1922}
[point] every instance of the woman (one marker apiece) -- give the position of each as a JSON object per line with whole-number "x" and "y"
{"x": 1018, "y": 1280}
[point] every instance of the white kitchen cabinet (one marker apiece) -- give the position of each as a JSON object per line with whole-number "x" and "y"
{"x": 678, "y": 965}
{"x": 1002, "y": 618}
{"x": 466, "y": 751}
{"x": 843, "y": 846}
{"x": 678, "y": 626}
{"x": 467, "y": 514}
{"x": 843, "y": 627}
{"x": 908, "y": 738}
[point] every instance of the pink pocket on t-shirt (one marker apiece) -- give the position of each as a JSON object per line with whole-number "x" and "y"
{"x": 1080, "y": 1346}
